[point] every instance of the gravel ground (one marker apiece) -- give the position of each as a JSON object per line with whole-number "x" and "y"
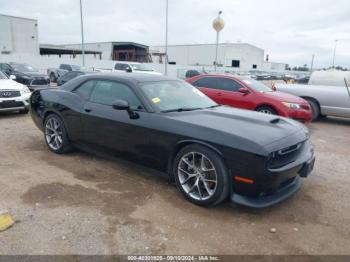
{"x": 81, "y": 204}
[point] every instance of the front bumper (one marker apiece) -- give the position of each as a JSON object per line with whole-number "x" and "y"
{"x": 301, "y": 115}
{"x": 278, "y": 184}
{"x": 14, "y": 103}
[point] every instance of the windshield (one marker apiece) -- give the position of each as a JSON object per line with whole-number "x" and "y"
{"x": 173, "y": 95}
{"x": 256, "y": 85}
{"x": 24, "y": 68}
{"x": 3, "y": 76}
{"x": 141, "y": 67}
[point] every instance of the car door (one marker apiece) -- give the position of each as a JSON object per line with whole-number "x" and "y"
{"x": 208, "y": 85}
{"x": 109, "y": 129}
{"x": 230, "y": 95}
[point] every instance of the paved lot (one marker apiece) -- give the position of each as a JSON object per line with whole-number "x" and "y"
{"x": 80, "y": 204}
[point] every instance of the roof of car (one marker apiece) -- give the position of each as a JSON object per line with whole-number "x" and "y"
{"x": 135, "y": 77}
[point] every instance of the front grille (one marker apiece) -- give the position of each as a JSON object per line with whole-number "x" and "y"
{"x": 285, "y": 156}
{"x": 10, "y": 104}
{"x": 9, "y": 94}
{"x": 39, "y": 82}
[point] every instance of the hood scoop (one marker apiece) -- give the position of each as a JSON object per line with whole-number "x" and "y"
{"x": 275, "y": 120}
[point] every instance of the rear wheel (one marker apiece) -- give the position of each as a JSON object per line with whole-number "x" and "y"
{"x": 53, "y": 78}
{"x": 266, "y": 110}
{"x": 314, "y": 108}
{"x": 201, "y": 175}
{"x": 55, "y": 135}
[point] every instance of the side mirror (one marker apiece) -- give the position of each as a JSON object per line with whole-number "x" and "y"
{"x": 121, "y": 105}
{"x": 128, "y": 69}
{"x": 244, "y": 90}
{"x": 124, "y": 105}
{"x": 13, "y": 77}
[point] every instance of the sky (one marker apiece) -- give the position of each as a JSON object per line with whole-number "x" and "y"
{"x": 289, "y": 31}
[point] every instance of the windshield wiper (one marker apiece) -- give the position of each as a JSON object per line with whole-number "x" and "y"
{"x": 181, "y": 109}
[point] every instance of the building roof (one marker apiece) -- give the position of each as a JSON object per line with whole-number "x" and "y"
{"x": 46, "y": 49}
{"x": 19, "y": 17}
{"x": 111, "y": 42}
{"x": 209, "y": 44}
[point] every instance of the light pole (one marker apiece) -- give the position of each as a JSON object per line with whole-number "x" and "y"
{"x": 218, "y": 25}
{"x": 312, "y": 63}
{"x": 82, "y": 34}
{"x": 335, "y": 49}
{"x": 166, "y": 38}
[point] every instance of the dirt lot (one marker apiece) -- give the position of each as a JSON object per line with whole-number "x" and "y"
{"x": 81, "y": 204}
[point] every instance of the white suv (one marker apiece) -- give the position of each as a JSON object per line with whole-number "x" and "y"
{"x": 13, "y": 96}
{"x": 134, "y": 67}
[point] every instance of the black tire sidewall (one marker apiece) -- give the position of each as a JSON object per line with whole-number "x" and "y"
{"x": 315, "y": 109}
{"x": 222, "y": 189}
{"x": 66, "y": 143}
{"x": 273, "y": 111}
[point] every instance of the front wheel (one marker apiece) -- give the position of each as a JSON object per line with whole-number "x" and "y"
{"x": 201, "y": 175}
{"x": 266, "y": 110}
{"x": 55, "y": 135}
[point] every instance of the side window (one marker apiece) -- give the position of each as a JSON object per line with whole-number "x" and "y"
{"x": 120, "y": 67}
{"x": 208, "y": 82}
{"x": 84, "y": 90}
{"x": 228, "y": 84}
{"x": 106, "y": 92}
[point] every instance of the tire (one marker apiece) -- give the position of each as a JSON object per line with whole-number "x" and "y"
{"x": 24, "y": 111}
{"x": 196, "y": 183}
{"x": 53, "y": 78}
{"x": 266, "y": 110}
{"x": 315, "y": 109}
{"x": 55, "y": 135}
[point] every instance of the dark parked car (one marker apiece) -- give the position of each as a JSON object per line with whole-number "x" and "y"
{"x": 212, "y": 152}
{"x": 70, "y": 75}
{"x": 192, "y": 73}
{"x": 26, "y": 75}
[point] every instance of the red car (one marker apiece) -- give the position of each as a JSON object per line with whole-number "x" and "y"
{"x": 247, "y": 93}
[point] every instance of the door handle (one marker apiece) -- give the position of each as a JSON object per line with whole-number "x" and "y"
{"x": 88, "y": 110}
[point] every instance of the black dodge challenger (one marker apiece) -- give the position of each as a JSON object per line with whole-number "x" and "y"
{"x": 212, "y": 152}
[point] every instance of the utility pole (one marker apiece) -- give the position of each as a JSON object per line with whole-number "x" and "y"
{"x": 82, "y": 34}
{"x": 312, "y": 63}
{"x": 335, "y": 49}
{"x": 166, "y": 38}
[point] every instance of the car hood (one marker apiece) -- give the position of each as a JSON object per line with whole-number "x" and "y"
{"x": 8, "y": 84}
{"x": 256, "y": 132}
{"x": 284, "y": 97}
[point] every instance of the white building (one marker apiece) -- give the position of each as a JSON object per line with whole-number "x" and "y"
{"x": 237, "y": 55}
{"x": 18, "y": 35}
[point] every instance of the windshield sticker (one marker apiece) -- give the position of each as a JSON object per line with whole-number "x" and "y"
{"x": 156, "y": 100}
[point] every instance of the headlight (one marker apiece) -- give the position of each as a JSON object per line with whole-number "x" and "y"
{"x": 292, "y": 105}
{"x": 25, "y": 90}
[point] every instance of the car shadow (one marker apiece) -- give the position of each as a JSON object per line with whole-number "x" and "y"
{"x": 11, "y": 115}
{"x": 335, "y": 120}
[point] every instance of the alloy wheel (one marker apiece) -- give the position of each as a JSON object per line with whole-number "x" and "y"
{"x": 265, "y": 111}
{"x": 197, "y": 176}
{"x": 53, "y": 134}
